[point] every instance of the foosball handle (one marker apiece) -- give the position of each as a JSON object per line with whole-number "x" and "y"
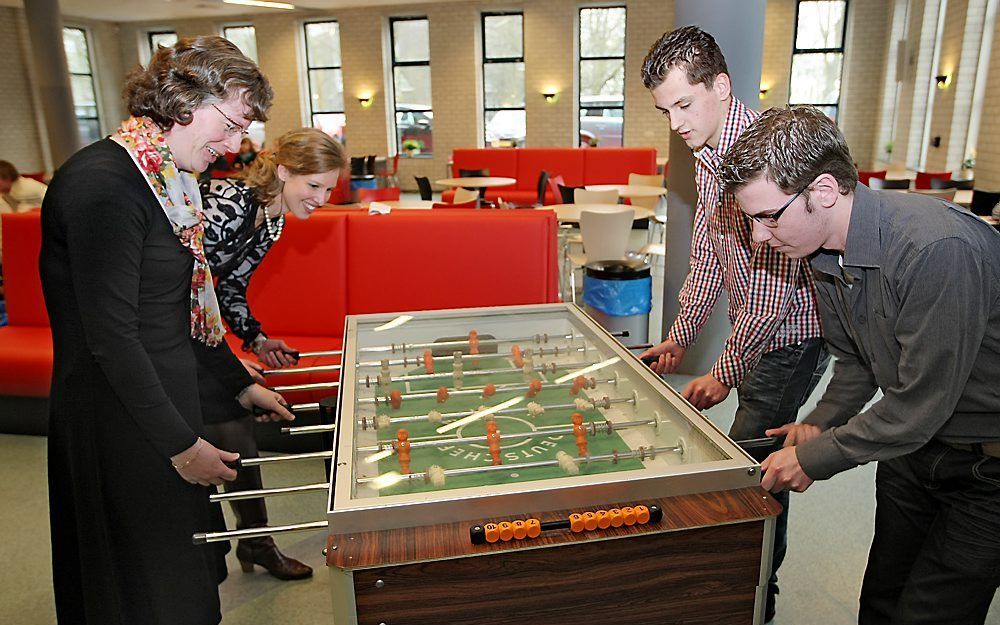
{"x": 258, "y": 411}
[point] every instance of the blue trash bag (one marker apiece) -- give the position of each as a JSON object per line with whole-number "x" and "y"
{"x": 618, "y": 298}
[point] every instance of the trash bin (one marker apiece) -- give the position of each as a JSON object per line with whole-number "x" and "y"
{"x": 618, "y": 295}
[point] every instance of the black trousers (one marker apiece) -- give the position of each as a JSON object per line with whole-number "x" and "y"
{"x": 935, "y": 557}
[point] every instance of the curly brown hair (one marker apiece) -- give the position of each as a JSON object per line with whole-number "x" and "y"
{"x": 303, "y": 151}
{"x": 194, "y": 72}
{"x": 689, "y": 48}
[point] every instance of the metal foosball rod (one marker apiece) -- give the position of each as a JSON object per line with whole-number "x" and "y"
{"x": 308, "y": 429}
{"x": 268, "y": 492}
{"x": 501, "y": 388}
{"x": 264, "y": 460}
{"x": 593, "y": 429}
{"x": 256, "y": 532}
{"x": 375, "y": 423}
{"x": 642, "y": 453}
{"x": 312, "y": 386}
{"x": 416, "y": 377}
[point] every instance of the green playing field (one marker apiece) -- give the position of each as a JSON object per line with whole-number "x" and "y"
{"x": 455, "y": 454}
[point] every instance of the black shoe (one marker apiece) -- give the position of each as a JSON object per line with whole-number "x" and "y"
{"x": 263, "y": 552}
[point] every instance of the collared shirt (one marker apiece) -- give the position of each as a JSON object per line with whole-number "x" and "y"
{"x": 911, "y": 308}
{"x": 772, "y": 301}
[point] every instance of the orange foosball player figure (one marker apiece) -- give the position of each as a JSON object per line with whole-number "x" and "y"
{"x": 493, "y": 438}
{"x": 402, "y": 446}
{"x": 580, "y": 433}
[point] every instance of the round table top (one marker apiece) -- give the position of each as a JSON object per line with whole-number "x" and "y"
{"x": 477, "y": 181}
{"x": 571, "y": 212}
{"x": 629, "y": 190}
{"x": 408, "y": 204}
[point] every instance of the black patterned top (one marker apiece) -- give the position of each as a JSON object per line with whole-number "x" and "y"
{"x": 234, "y": 249}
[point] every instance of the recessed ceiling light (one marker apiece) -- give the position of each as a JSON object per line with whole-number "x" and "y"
{"x": 262, "y": 3}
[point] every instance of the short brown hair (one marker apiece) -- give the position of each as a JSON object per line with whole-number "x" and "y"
{"x": 8, "y": 171}
{"x": 303, "y": 151}
{"x": 791, "y": 146}
{"x": 689, "y": 48}
{"x": 193, "y": 72}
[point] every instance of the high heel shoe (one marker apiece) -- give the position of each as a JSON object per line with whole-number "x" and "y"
{"x": 263, "y": 552}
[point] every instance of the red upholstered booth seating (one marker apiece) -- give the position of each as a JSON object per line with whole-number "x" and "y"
{"x": 577, "y": 166}
{"x": 334, "y": 264}
{"x": 865, "y": 176}
{"x": 923, "y": 180}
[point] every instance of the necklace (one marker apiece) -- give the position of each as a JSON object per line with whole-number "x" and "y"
{"x": 276, "y": 225}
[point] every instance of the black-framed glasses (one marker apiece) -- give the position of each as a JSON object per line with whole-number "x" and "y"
{"x": 232, "y": 128}
{"x": 770, "y": 220}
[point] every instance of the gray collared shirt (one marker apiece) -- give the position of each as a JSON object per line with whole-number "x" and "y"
{"x": 912, "y": 308}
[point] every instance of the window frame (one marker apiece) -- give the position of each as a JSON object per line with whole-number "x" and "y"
{"x": 224, "y": 27}
{"x": 580, "y": 58}
{"x": 796, "y": 50}
{"x": 501, "y": 60}
{"x": 309, "y": 79}
{"x": 94, "y": 85}
{"x": 392, "y": 81}
{"x": 150, "y": 50}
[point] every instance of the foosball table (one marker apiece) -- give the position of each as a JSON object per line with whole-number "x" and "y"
{"x": 520, "y": 465}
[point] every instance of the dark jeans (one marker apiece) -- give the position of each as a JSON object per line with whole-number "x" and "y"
{"x": 770, "y": 396}
{"x": 935, "y": 557}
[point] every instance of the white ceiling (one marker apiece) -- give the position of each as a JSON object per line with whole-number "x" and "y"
{"x": 147, "y": 10}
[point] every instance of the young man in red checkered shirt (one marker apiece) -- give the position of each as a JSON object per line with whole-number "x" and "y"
{"x": 775, "y": 355}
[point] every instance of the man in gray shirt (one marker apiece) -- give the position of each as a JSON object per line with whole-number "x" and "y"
{"x": 909, "y": 297}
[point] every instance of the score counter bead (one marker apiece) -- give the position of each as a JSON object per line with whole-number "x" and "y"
{"x": 615, "y": 514}
{"x": 520, "y": 529}
{"x": 604, "y": 519}
{"x": 492, "y": 532}
{"x": 641, "y": 515}
{"x": 506, "y": 530}
{"x": 534, "y": 528}
{"x": 576, "y": 522}
{"x": 589, "y": 521}
{"x": 628, "y": 515}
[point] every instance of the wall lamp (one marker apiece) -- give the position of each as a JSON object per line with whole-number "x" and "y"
{"x": 942, "y": 81}
{"x": 763, "y": 92}
{"x": 365, "y": 100}
{"x": 550, "y": 95}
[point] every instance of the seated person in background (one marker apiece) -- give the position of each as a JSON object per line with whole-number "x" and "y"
{"x": 246, "y": 154}
{"x": 18, "y": 193}
{"x": 243, "y": 219}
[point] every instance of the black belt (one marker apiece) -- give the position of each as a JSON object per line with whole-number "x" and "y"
{"x": 991, "y": 449}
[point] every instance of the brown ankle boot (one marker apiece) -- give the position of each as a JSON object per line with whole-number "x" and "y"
{"x": 263, "y": 552}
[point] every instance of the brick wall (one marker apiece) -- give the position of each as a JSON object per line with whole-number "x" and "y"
{"x": 988, "y": 146}
{"x": 870, "y": 113}
{"x": 20, "y": 141}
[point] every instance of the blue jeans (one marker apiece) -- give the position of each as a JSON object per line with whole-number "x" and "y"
{"x": 935, "y": 557}
{"x": 770, "y": 396}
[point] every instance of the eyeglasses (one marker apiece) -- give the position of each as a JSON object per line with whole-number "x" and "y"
{"x": 232, "y": 128}
{"x": 770, "y": 220}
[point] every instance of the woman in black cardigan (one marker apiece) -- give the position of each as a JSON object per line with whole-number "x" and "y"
{"x": 134, "y": 317}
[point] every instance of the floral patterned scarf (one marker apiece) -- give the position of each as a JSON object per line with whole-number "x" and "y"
{"x": 178, "y": 194}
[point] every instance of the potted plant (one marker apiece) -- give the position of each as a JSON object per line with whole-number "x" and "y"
{"x": 412, "y": 147}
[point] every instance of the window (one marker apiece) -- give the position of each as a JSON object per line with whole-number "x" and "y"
{"x": 602, "y": 76}
{"x": 245, "y": 38}
{"x": 82, "y": 80}
{"x": 503, "y": 79}
{"x": 411, "y": 84}
{"x": 818, "y": 54}
{"x": 326, "y": 81}
{"x": 157, "y": 38}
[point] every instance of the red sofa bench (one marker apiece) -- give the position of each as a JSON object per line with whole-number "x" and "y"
{"x": 577, "y": 166}
{"x": 334, "y": 264}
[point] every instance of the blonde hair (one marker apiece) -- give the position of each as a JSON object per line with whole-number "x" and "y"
{"x": 303, "y": 151}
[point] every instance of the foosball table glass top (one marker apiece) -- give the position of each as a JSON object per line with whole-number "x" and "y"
{"x": 439, "y": 410}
